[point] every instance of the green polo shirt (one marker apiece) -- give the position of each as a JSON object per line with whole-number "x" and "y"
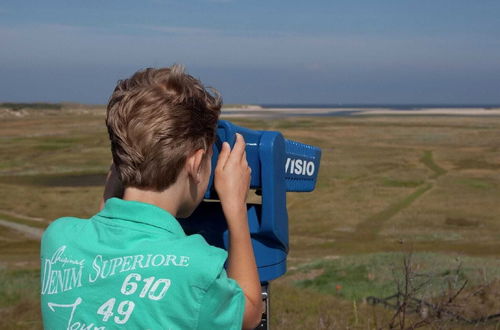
{"x": 131, "y": 266}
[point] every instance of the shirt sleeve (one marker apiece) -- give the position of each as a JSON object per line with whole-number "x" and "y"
{"x": 223, "y": 305}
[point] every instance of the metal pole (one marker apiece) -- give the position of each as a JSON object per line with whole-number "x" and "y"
{"x": 264, "y": 323}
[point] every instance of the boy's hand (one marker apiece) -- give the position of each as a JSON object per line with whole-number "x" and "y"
{"x": 232, "y": 176}
{"x": 232, "y": 181}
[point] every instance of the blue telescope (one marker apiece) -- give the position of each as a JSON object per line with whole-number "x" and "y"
{"x": 278, "y": 165}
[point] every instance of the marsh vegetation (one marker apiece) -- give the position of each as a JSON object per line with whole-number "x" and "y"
{"x": 387, "y": 187}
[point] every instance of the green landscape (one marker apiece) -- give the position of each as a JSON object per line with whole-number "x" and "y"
{"x": 405, "y": 206}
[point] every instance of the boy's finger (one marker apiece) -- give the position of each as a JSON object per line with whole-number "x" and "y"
{"x": 223, "y": 155}
{"x": 239, "y": 148}
{"x": 244, "y": 156}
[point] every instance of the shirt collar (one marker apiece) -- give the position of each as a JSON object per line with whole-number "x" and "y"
{"x": 139, "y": 212}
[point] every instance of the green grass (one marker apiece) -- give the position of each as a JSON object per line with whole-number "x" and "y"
{"x": 389, "y": 182}
{"x": 36, "y": 106}
{"x": 358, "y": 277}
{"x": 428, "y": 161}
{"x": 57, "y": 180}
{"x": 17, "y": 284}
{"x": 350, "y": 282}
{"x": 372, "y": 225}
{"x": 20, "y": 299}
{"x": 475, "y": 183}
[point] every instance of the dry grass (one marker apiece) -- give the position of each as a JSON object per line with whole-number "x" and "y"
{"x": 19, "y": 299}
{"x": 386, "y": 184}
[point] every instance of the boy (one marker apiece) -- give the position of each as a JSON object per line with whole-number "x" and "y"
{"x": 131, "y": 265}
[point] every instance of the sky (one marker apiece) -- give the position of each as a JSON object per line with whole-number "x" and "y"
{"x": 259, "y": 52}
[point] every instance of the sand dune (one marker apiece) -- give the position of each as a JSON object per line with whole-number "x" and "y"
{"x": 278, "y": 112}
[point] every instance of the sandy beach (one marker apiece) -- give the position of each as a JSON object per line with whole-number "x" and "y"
{"x": 258, "y": 111}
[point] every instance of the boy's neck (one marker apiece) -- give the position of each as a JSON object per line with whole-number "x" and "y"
{"x": 167, "y": 199}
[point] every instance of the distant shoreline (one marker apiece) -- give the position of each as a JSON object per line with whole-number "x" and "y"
{"x": 393, "y": 106}
{"x": 259, "y": 111}
{"x": 282, "y": 110}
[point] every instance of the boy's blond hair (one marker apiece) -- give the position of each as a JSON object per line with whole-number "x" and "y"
{"x": 155, "y": 119}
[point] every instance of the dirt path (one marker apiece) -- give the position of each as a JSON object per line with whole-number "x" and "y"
{"x": 31, "y": 232}
{"x": 370, "y": 227}
{"x": 21, "y": 216}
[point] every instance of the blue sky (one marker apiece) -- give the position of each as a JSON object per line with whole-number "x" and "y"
{"x": 349, "y": 51}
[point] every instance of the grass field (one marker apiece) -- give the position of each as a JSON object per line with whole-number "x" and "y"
{"x": 388, "y": 187}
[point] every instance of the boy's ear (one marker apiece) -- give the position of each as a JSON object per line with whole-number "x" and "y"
{"x": 194, "y": 164}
